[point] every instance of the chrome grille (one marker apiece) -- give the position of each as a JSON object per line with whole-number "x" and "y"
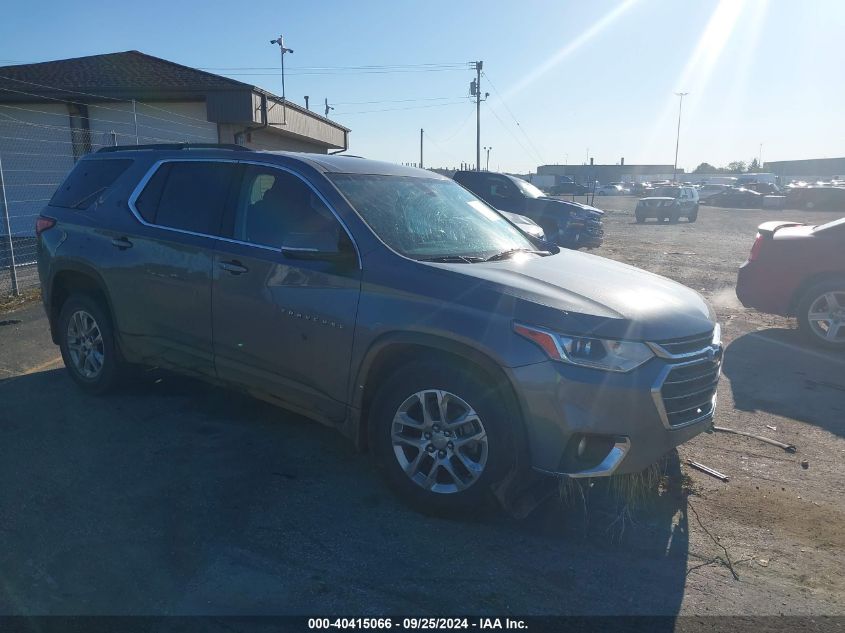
{"x": 688, "y": 344}
{"x": 688, "y": 391}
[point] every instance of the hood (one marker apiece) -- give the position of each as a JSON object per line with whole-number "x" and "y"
{"x": 572, "y": 207}
{"x": 581, "y": 293}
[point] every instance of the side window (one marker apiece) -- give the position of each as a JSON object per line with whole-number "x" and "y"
{"x": 87, "y": 181}
{"x": 498, "y": 188}
{"x": 187, "y": 195}
{"x": 275, "y": 208}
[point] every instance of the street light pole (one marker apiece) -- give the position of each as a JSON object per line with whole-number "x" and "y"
{"x": 281, "y": 42}
{"x": 487, "y": 149}
{"x": 680, "y": 96}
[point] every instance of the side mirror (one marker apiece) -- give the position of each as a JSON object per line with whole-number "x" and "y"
{"x": 319, "y": 246}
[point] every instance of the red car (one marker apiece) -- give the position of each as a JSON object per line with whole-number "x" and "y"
{"x": 798, "y": 270}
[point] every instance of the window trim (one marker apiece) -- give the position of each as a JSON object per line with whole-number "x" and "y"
{"x": 142, "y": 184}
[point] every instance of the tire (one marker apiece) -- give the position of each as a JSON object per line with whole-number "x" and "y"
{"x": 86, "y": 340}
{"x": 432, "y": 489}
{"x": 817, "y": 300}
{"x": 693, "y": 216}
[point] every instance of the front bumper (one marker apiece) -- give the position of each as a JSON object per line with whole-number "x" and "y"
{"x": 619, "y": 417}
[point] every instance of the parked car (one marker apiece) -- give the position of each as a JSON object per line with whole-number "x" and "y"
{"x": 737, "y": 198}
{"x": 817, "y": 198}
{"x": 527, "y": 225}
{"x": 568, "y": 188}
{"x": 610, "y": 190}
{"x": 564, "y": 223}
{"x": 797, "y": 269}
{"x": 668, "y": 203}
{"x": 766, "y": 188}
{"x": 385, "y": 301}
{"x": 707, "y": 190}
{"x": 639, "y": 188}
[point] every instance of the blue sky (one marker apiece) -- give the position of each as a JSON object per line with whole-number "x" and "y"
{"x": 575, "y": 75}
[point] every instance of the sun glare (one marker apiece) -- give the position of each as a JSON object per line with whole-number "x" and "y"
{"x": 571, "y": 47}
{"x": 699, "y": 68}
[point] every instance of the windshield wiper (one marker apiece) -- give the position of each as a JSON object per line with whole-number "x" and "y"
{"x": 79, "y": 204}
{"x": 454, "y": 259}
{"x": 514, "y": 251}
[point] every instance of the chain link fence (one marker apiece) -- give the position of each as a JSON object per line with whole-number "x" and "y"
{"x": 39, "y": 145}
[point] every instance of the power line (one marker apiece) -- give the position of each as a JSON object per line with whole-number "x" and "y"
{"x": 365, "y": 67}
{"x": 508, "y": 130}
{"x": 433, "y": 105}
{"x": 300, "y": 72}
{"x": 513, "y": 116}
{"x": 392, "y": 101}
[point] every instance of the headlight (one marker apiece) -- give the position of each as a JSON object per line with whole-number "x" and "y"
{"x": 597, "y": 353}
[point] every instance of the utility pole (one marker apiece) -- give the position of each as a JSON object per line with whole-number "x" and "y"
{"x": 475, "y": 91}
{"x": 306, "y": 103}
{"x": 328, "y": 107}
{"x": 680, "y": 96}
{"x": 421, "y": 148}
{"x": 281, "y": 42}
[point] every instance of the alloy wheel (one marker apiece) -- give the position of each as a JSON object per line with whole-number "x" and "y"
{"x": 439, "y": 441}
{"x": 826, "y": 316}
{"x": 85, "y": 344}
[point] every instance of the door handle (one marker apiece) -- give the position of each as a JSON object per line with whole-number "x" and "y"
{"x": 122, "y": 243}
{"x": 234, "y": 267}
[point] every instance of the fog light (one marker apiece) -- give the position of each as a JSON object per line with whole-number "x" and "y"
{"x": 582, "y": 447}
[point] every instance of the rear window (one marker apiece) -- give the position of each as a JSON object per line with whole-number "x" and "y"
{"x": 187, "y": 195}
{"x": 87, "y": 181}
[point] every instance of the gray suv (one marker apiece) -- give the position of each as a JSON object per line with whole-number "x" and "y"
{"x": 669, "y": 203}
{"x": 385, "y": 301}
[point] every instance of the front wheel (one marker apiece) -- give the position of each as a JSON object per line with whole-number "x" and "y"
{"x": 441, "y": 437}
{"x": 86, "y": 340}
{"x": 821, "y": 314}
{"x": 693, "y": 216}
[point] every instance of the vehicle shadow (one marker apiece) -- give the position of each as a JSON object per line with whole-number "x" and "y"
{"x": 799, "y": 381}
{"x": 175, "y": 497}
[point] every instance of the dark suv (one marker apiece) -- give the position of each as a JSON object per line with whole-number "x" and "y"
{"x": 385, "y": 301}
{"x": 565, "y": 223}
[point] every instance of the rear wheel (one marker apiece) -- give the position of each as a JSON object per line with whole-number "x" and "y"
{"x": 821, "y": 314}
{"x": 441, "y": 437}
{"x": 86, "y": 340}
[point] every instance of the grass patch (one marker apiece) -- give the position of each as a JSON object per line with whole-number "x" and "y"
{"x": 13, "y": 302}
{"x": 617, "y": 500}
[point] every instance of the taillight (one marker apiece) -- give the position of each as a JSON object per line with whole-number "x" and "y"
{"x": 42, "y": 223}
{"x": 756, "y": 248}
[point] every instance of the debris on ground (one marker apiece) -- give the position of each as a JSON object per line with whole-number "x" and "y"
{"x": 789, "y": 448}
{"x": 710, "y": 471}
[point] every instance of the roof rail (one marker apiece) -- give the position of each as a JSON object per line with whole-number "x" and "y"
{"x": 171, "y": 146}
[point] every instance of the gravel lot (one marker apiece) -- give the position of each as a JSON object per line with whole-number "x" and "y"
{"x": 174, "y": 497}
